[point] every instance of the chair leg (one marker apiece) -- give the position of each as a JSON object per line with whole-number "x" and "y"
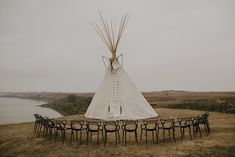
{"x": 181, "y": 132}
{"x": 80, "y": 136}
{"x": 141, "y": 134}
{"x": 39, "y": 131}
{"x": 46, "y": 131}
{"x": 116, "y": 137}
{"x": 190, "y": 133}
{"x": 136, "y": 137}
{"x": 146, "y": 136}
{"x": 87, "y": 137}
{"x": 199, "y": 130}
{"x": 194, "y": 131}
{"x": 90, "y": 136}
{"x": 174, "y": 134}
{"x": 50, "y": 133}
{"x": 105, "y": 137}
{"x": 169, "y": 134}
{"x": 157, "y": 135}
{"x": 71, "y": 135}
{"x": 63, "y": 135}
{"x": 153, "y": 136}
{"x": 208, "y": 128}
{"x": 102, "y": 135}
{"x": 98, "y": 137}
{"x": 61, "y": 132}
{"x": 76, "y": 135}
{"x": 56, "y": 134}
{"x": 125, "y": 137}
{"x": 164, "y": 135}
{"x": 205, "y": 129}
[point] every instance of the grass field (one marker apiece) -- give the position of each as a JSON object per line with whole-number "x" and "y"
{"x": 20, "y": 140}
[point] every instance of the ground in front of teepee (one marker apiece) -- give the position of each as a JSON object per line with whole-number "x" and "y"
{"x": 20, "y": 140}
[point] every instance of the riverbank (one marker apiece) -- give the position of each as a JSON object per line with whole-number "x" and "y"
{"x": 16, "y": 110}
{"x": 19, "y": 140}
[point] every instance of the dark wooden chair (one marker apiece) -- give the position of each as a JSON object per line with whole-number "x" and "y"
{"x": 195, "y": 125}
{"x": 111, "y": 127}
{"x": 203, "y": 120}
{"x": 77, "y": 126}
{"x": 42, "y": 125}
{"x": 129, "y": 126}
{"x": 167, "y": 124}
{"x": 184, "y": 123}
{"x": 37, "y": 122}
{"x": 149, "y": 126}
{"x": 94, "y": 127}
{"x": 51, "y": 127}
{"x": 60, "y": 126}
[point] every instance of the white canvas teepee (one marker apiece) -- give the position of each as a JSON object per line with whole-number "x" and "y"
{"x": 117, "y": 97}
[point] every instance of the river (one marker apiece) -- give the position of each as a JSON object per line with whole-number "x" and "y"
{"x": 15, "y": 110}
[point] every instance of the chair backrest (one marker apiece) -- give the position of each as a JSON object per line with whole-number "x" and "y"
{"x": 130, "y": 125}
{"x": 51, "y": 122}
{"x": 61, "y": 124}
{"x": 167, "y": 123}
{"x": 184, "y": 121}
{"x": 111, "y": 125}
{"x": 37, "y": 117}
{"x": 203, "y": 119}
{"x": 77, "y": 124}
{"x": 44, "y": 120}
{"x": 93, "y": 125}
{"x": 150, "y": 124}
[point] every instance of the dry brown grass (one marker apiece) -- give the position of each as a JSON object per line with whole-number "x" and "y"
{"x": 20, "y": 140}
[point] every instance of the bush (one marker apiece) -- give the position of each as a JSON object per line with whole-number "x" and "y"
{"x": 225, "y": 107}
{"x": 70, "y": 105}
{"x": 72, "y": 98}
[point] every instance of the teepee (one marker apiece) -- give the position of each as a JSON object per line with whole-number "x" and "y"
{"x": 117, "y": 98}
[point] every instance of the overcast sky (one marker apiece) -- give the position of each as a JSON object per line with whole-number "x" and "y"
{"x": 50, "y": 45}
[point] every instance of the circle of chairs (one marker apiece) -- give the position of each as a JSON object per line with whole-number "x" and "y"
{"x": 52, "y": 128}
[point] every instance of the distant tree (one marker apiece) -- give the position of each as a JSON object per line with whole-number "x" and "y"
{"x": 72, "y": 98}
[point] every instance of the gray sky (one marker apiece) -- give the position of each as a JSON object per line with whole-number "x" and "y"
{"x": 49, "y": 45}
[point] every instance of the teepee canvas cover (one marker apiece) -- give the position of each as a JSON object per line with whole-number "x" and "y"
{"x": 117, "y": 97}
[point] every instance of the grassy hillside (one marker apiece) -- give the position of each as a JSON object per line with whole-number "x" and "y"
{"x": 75, "y": 103}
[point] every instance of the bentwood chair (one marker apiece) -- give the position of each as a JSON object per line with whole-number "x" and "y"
{"x": 129, "y": 126}
{"x": 51, "y": 127}
{"x": 184, "y": 123}
{"x": 94, "y": 127}
{"x": 60, "y": 126}
{"x": 111, "y": 127}
{"x": 195, "y": 125}
{"x": 37, "y": 122}
{"x": 203, "y": 120}
{"x": 77, "y": 126}
{"x": 149, "y": 126}
{"x": 169, "y": 125}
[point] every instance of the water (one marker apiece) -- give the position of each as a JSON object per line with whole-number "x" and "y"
{"x": 14, "y": 110}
